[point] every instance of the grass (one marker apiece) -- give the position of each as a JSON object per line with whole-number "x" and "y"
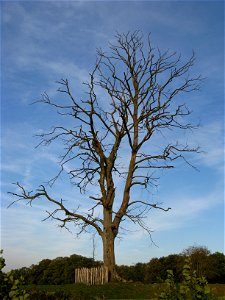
{"x": 117, "y": 291}
{"x": 109, "y": 291}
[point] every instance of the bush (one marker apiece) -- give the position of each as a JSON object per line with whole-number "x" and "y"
{"x": 191, "y": 288}
{"x": 10, "y": 288}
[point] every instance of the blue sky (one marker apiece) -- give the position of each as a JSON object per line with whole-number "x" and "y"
{"x": 43, "y": 42}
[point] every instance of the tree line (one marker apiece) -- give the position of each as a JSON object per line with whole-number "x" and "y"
{"x": 209, "y": 265}
{"x": 61, "y": 270}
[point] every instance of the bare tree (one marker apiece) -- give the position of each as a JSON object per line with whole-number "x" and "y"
{"x": 141, "y": 88}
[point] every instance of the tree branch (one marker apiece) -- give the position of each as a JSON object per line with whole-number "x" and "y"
{"x": 72, "y": 216}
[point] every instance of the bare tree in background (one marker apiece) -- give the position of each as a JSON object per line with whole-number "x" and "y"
{"x": 141, "y": 88}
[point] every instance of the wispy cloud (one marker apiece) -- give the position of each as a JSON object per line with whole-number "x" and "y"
{"x": 44, "y": 41}
{"x": 210, "y": 138}
{"x": 185, "y": 209}
{"x": 36, "y": 240}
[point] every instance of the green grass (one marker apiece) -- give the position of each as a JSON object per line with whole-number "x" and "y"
{"x": 109, "y": 291}
{"x": 117, "y": 291}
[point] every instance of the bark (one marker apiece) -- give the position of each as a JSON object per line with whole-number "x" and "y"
{"x": 108, "y": 239}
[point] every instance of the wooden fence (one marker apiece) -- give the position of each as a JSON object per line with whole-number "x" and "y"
{"x": 92, "y": 276}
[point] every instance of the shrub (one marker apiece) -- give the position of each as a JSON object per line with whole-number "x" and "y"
{"x": 191, "y": 288}
{"x": 10, "y": 288}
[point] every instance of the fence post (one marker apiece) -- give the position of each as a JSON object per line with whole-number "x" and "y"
{"x": 92, "y": 276}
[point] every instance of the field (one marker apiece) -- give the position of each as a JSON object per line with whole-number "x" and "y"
{"x": 116, "y": 290}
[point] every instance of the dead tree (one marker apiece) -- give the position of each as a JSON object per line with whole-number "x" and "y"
{"x": 134, "y": 93}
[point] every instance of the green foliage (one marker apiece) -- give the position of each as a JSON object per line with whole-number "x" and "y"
{"x": 10, "y": 288}
{"x": 60, "y": 271}
{"x": 211, "y": 266}
{"x": 216, "y": 268}
{"x": 199, "y": 257}
{"x": 191, "y": 288}
{"x": 132, "y": 273}
{"x": 57, "y": 271}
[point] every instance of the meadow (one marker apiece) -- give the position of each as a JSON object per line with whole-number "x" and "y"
{"x": 108, "y": 291}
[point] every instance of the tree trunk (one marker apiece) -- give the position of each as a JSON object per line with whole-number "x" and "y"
{"x": 108, "y": 245}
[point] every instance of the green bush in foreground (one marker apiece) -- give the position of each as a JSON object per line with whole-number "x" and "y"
{"x": 191, "y": 288}
{"x": 10, "y": 288}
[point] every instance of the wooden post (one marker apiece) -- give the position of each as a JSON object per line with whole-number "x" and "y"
{"x": 92, "y": 276}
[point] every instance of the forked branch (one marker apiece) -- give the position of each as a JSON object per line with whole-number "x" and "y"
{"x": 78, "y": 219}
